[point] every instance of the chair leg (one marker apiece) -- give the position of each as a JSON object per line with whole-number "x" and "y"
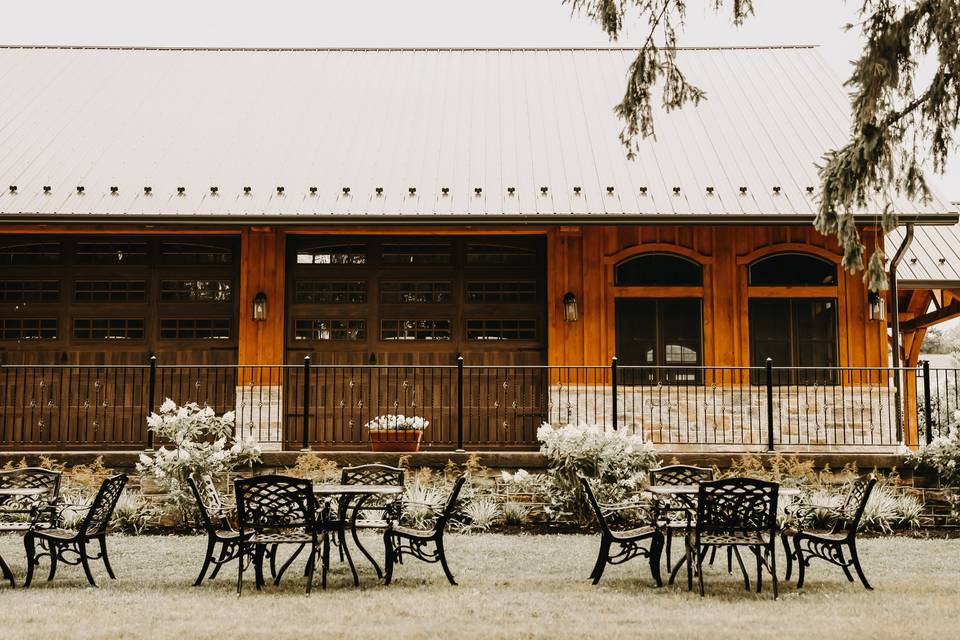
{"x": 669, "y": 544}
{"x": 844, "y": 565}
{"x": 699, "y": 557}
{"x": 388, "y": 554}
{"x": 656, "y": 549}
{"x": 856, "y": 565}
{"x": 207, "y": 558}
{"x": 756, "y": 550}
{"x": 221, "y": 559}
{"x": 601, "y": 562}
{"x": 259, "y": 551}
{"x": 713, "y": 555}
{"x": 730, "y": 560}
{"x": 85, "y": 561}
{"x": 773, "y": 569}
{"x": 240, "y": 569}
{"x": 29, "y": 544}
{"x": 106, "y": 558}
{"x": 798, "y": 554}
{"x": 311, "y": 567}
{"x": 5, "y": 570}
{"x": 688, "y": 546}
{"x": 788, "y": 554}
{"x": 743, "y": 568}
{"x": 443, "y": 560}
{"x": 325, "y": 560}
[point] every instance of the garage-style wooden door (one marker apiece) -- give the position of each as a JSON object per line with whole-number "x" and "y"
{"x": 415, "y": 302}
{"x": 99, "y": 302}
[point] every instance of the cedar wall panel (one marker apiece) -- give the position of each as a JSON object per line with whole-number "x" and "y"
{"x": 581, "y": 260}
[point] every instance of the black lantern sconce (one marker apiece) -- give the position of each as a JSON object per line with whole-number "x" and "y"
{"x": 876, "y": 306}
{"x": 260, "y": 307}
{"x": 570, "y": 311}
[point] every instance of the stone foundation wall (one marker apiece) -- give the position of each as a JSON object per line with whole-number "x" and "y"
{"x": 705, "y": 417}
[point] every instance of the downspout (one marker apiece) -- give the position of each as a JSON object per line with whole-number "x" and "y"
{"x": 895, "y": 325}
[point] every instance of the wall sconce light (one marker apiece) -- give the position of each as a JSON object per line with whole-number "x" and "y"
{"x": 876, "y": 306}
{"x": 570, "y": 312}
{"x": 260, "y": 307}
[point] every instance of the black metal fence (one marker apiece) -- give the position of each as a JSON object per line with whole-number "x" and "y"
{"x": 472, "y": 407}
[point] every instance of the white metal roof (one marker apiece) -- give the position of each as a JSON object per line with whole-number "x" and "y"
{"x": 398, "y": 120}
{"x": 933, "y": 259}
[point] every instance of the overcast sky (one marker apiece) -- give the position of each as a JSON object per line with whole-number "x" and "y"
{"x": 400, "y": 23}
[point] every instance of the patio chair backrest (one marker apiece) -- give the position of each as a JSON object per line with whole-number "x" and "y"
{"x": 33, "y": 478}
{"x": 451, "y": 506}
{"x": 855, "y": 503}
{"x": 680, "y": 475}
{"x": 736, "y": 506}
{"x": 209, "y": 502}
{"x": 101, "y": 509}
{"x": 273, "y": 502}
{"x": 594, "y": 504}
{"x": 372, "y": 474}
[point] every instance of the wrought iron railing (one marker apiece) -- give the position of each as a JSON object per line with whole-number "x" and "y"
{"x": 471, "y": 406}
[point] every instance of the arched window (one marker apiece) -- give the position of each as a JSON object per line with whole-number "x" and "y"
{"x": 658, "y": 270}
{"x": 793, "y": 270}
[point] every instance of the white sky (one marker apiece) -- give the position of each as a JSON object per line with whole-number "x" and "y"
{"x": 397, "y": 23}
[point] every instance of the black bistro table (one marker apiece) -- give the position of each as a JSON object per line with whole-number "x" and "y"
{"x": 16, "y": 492}
{"x": 350, "y": 500}
{"x": 686, "y": 493}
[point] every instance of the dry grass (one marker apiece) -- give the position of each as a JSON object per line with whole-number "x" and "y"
{"x": 510, "y": 587}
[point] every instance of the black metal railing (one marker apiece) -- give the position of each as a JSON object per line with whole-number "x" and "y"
{"x": 310, "y": 406}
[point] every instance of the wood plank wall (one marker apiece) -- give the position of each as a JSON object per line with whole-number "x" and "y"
{"x": 581, "y": 260}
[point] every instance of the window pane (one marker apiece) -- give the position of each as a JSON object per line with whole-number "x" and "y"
{"x": 342, "y": 254}
{"x": 28, "y": 329}
{"x": 636, "y": 327}
{"x": 196, "y": 291}
{"x": 195, "y": 329}
{"x": 112, "y": 253}
{"x": 187, "y": 253}
{"x": 109, "y": 291}
{"x": 416, "y": 254}
{"x": 497, "y": 329}
{"x": 501, "y": 292}
{"x": 792, "y": 269}
{"x": 414, "y": 292}
{"x": 29, "y": 290}
{"x": 415, "y": 329}
{"x": 322, "y": 292}
{"x": 39, "y": 253}
{"x": 330, "y": 330}
{"x": 108, "y": 328}
{"x": 488, "y": 254}
{"x": 658, "y": 269}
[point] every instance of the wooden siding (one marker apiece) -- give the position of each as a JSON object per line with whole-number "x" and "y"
{"x": 581, "y": 260}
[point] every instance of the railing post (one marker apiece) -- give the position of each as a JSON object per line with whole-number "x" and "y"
{"x": 459, "y": 403}
{"x": 151, "y": 397}
{"x": 927, "y": 404}
{"x": 306, "y": 404}
{"x": 769, "y": 383}
{"x": 613, "y": 385}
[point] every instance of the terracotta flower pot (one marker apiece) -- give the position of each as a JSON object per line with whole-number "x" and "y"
{"x": 395, "y": 440}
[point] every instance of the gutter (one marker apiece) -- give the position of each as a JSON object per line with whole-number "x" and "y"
{"x": 895, "y": 324}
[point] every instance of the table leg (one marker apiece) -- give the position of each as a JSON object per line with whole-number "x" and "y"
{"x": 342, "y": 535}
{"x": 356, "y": 538}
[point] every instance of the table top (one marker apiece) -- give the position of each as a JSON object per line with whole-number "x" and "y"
{"x": 693, "y": 489}
{"x": 356, "y": 489}
{"x": 22, "y": 491}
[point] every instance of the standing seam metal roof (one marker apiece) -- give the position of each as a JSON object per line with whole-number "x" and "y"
{"x": 411, "y": 122}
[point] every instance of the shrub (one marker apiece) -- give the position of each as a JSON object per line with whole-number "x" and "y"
{"x": 514, "y": 513}
{"x": 618, "y": 460}
{"x": 943, "y": 454}
{"x": 200, "y": 441}
{"x": 480, "y": 513}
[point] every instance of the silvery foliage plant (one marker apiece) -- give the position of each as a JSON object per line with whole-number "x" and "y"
{"x": 617, "y": 462}
{"x": 943, "y": 454}
{"x": 195, "y": 440}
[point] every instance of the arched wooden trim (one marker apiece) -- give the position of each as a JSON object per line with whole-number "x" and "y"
{"x": 790, "y": 247}
{"x": 658, "y": 247}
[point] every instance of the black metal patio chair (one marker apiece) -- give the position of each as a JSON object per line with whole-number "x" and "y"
{"x": 215, "y": 516}
{"x": 275, "y": 510}
{"x": 372, "y": 510}
{"x": 628, "y": 542}
{"x": 20, "y": 513}
{"x": 70, "y": 546}
{"x": 735, "y": 513}
{"x": 399, "y": 540}
{"x": 672, "y": 516}
{"x": 842, "y": 535}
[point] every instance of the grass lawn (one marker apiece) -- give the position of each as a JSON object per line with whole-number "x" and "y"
{"x": 510, "y": 587}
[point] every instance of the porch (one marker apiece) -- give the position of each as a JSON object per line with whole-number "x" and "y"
{"x": 487, "y": 408}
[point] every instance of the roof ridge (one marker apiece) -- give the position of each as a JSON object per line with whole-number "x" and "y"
{"x": 68, "y": 47}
